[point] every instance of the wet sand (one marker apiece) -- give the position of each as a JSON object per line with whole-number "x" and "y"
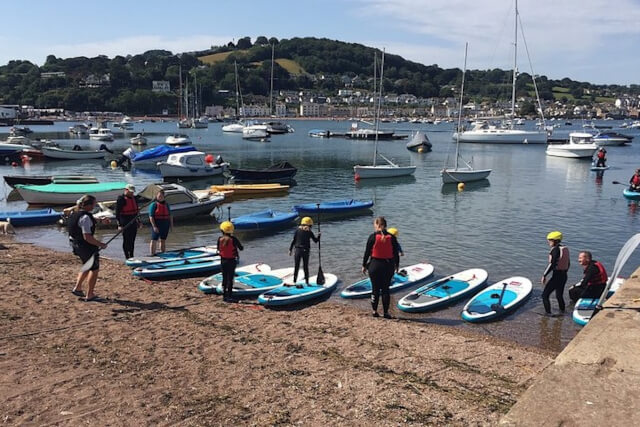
{"x": 164, "y": 353}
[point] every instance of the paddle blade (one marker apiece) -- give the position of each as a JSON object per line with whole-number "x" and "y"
{"x": 320, "y": 278}
{"x": 87, "y": 265}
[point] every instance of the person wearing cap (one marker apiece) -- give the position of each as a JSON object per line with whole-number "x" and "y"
{"x": 228, "y": 247}
{"x": 601, "y": 157}
{"x": 126, "y": 211}
{"x": 161, "y": 222}
{"x": 394, "y": 232}
{"x": 302, "y": 244}
{"x": 558, "y": 266}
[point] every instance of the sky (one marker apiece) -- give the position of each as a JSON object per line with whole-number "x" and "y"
{"x": 587, "y": 40}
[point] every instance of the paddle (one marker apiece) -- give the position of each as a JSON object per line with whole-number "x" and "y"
{"x": 229, "y": 212}
{"x": 428, "y": 288}
{"x": 87, "y": 265}
{"x": 619, "y": 183}
{"x": 498, "y": 307}
{"x": 320, "y": 277}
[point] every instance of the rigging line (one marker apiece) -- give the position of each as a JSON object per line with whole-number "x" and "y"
{"x": 533, "y": 76}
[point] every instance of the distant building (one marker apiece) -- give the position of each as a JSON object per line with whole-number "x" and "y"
{"x": 160, "y": 86}
{"x": 93, "y": 80}
{"x": 255, "y": 110}
{"x": 311, "y": 109}
{"x": 214, "y": 111}
{"x": 9, "y": 111}
{"x": 53, "y": 74}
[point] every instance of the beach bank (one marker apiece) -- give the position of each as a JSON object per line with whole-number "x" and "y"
{"x": 164, "y": 353}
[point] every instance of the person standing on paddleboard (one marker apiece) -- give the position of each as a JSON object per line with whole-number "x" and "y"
{"x": 126, "y": 211}
{"x": 228, "y": 247}
{"x": 302, "y": 244}
{"x": 594, "y": 280}
{"x": 161, "y": 222}
{"x": 558, "y": 266}
{"x": 602, "y": 158}
{"x": 81, "y": 227}
{"x": 381, "y": 260}
{"x": 634, "y": 182}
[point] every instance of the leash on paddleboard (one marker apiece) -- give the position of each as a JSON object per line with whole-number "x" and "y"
{"x": 87, "y": 265}
{"x": 320, "y": 277}
{"x": 498, "y": 307}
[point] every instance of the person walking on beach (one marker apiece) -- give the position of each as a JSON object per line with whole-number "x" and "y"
{"x": 558, "y": 266}
{"x": 82, "y": 227}
{"x": 228, "y": 247}
{"x": 302, "y": 244}
{"x": 381, "y": 260}
{"x": 161, "y": 222}
{"x": 593, "y": 281}
{"x": 126, "y": 211}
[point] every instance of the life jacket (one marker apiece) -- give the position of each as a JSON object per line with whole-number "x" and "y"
{"x": 130, "y": 207}
{"x": 563, "y": 260}
{"x": 601, "y": 277}
{"x": 601, "y": 154}
{"x": 383, "y": 247}
{"x": 227, "y": 250}
{"x": 162, "y": 211}
{"x": 75, "y": 232}
{"x": 635, "y": 180}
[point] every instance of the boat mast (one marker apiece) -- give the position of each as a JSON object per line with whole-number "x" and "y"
{"x": 464, "y": 72}
{"x": 186, "y": 95}
{"x": 195, "y": 93}
{"x": 515, "y": 68}
{"x": 180, "y": 98}
{"x": 235, "y": 66}
{"x": 375, "y": 150}
{"x": 271, "y": 93}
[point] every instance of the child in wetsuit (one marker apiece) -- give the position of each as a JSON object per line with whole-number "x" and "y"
{"x": 302, "y": 244}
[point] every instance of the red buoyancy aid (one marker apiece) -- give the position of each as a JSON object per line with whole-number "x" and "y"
{"x": 601, "y": 277}
{"x": 601, "y": 154}
{"x": 635, "y": 180}
{"x": 227, "y": 250}
{"x": 383, "y": 247}
{"x": 161, "y": 212}
{"x": 130, "y": 207}
{"x": 563, "y": 260}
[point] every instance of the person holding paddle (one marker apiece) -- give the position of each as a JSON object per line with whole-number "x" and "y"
{"x": 381, "y": 260}
{"x": 228, "y": 247}
{"x": 302, "y": 244}
{"x": 126, "y": 211}
{"x": 161, "y": 222}
{"x": 634, "y": 182}
{"x": 601, "y": 157}
{"x": 558, "y": 265}
{"x": 82, "y": 226}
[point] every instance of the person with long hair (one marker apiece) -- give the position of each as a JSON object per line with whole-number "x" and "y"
{"x": 228, "y": 247}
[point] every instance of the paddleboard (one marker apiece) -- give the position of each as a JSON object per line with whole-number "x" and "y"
{"x": 584, "y": 307}
{"x": 256, "y": 284}
{"x": 174, "y": 255}
{"x": 631, "y": 195}
{"x": 405, "y": 277}
{"x": 288, "y": 295}
{"x": 173, "y": 270}
{"x": 498, "y": 300}
{"x": 599, "y": 168}
{"x": 210, "y": 284}
{"x": 445, "y": 291}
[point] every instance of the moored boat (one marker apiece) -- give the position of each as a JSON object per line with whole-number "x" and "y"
{"x": 611, "y": 138}
{"x": 13, "y": 180}
{"x": 419, "y": 143}
{"x": 245, "y": 190}
{"x": 31, "y": 218}
{"x": 264, "y": 220}
{"x": 139, "y": 139}
{"x": 57, "y": 153}
{"x": 580, "y": 146}
{"x": 191, "y": 164}
{"x": 101, "y": 134}
{"x": 151, "y": 156}
{"x": 255, "y": 133}
{"x": 276, "y": 172}
{"x": 68, "y": 194}
{"x": 334, "y": 207}
{"x": 233, "y": 127}
{"x": 178, "y": 139}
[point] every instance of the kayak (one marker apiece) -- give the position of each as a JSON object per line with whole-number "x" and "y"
{"x": 584, "y": 307}
{"x": 498, "y": 300}
{"x": 28, "y": 218}
{"x": 264, "y": 220}
{"x": 174, "y": 255}
{"x": 631, "y": 195}
{"x": 287, "y": 295}
{"x": 445, "y": 291}
{"x": 407, "y": 276}
{"x": 334, "y": 207}
{"x": 173, "y": 270}
{"x": 210, "y": 284}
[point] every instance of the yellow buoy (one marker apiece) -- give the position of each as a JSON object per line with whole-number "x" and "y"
{"x": 461, "y": 186}
{"x": 420, "y": 150}
{"x": 114, "y": 164}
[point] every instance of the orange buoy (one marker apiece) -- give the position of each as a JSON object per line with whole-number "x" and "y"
{"x": 357, "y": 177}
{"x": 208, "y": 158}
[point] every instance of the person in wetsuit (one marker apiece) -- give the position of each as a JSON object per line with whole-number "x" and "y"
{"x": 395, "y": 233}
{"x": 126, "y": 211}
{"x": 634, "y": 182}
{"x": 302, "y": 244}
{"x": 593, "y": 281}
{"x": 602, "y": 158}
{"x": 381, "y": 260}
{"x": 228, "y": 247}
{"x": 558, "y": 267}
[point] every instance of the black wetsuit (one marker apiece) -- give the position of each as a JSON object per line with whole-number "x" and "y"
{"x": 588, "y": 286}
{"x": 381, "y": 270}
{"x": 302, "y": 244}
{"x": 128, "y": 234}
{"x": 556, "y": 283}
{"x": 228, "y": 262}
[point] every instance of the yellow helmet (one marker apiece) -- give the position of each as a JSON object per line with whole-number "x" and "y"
{"x": 393, "y": 231}
{"x": 306, "y": 221}
{"x": 227, "y": 227}
{"x": 554, "y": 235}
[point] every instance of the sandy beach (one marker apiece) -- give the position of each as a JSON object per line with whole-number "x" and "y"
{"x": 164, "y": 353}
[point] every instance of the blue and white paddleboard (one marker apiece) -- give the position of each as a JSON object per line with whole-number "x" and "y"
{"x": 290, "y": 294}
{"x": 599, "y": 168}
{"x": 183, "y": 269}
{"x": 251, "y": 285}
{"x": 584, "y": 307}
{"x": 445, "y": 291}
{"x": 210, "y": 284}
{"x": 498, "y": 300}
{"x": 407, "y": 276}
{"x": 631, "y": 195}
{"x": 174, "y": 255}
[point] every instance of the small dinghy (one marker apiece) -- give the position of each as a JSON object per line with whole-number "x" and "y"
{"x": 445, "y": 291}
{"x": 631, "y": 195}
{"x": 419, "y": 143}
{"x": 277, "y": 172}
{"x": 68, "y": 194}
{"x": 406, "y": 277}
{"x": 31, "y": 218}
{"x": 174, "y": 255}
{"x": 183, "y": 269}
{"x": 76, "y": 153}
{"x": 498, "y": 300}
{"x": 345, "y": 206}
{"x": 290, "y": 294}
{"x": 264, "y": 220}
{"x": 210, "y": 284}
{"x": 583, "y": 310}
{"x": 13, "y": 180}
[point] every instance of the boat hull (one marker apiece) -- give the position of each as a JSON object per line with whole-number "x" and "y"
{"x": 384, "y": 171}
{"x": 451, "y": 176}
{"x": 31, "y": 218}
{"x": 67, "y": 194}
{"x": 502, "y": 136}
{"x": 573, "y": 152}
{"x": 264, "y": 220}
{"x": 58, "y": 154}
{"x": 175, "y": 171}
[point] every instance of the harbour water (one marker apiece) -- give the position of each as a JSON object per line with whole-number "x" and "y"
{"x": 499, "y": 225}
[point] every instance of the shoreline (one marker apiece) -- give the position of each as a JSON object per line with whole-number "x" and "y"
{"x": 166, "y": 353}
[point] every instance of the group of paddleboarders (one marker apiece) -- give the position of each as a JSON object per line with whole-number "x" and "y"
{"x": 593, "y": 282}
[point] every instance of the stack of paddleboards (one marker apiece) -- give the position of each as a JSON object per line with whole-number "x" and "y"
{"x": 174, "y": 255}
{"x": 406, "y": 277}
{"x": 584, "y": 308}
{"x": 497, "y": 300}
{"x": 289, "y": 294}
{"x": 177, "y": 264}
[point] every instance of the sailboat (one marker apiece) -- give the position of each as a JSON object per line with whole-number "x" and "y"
{"x": 483, "y": 132}
{"x": 390, "y": 169}
{"x": 239, "y": 125}
{"x": 465, "y": 173}
{"x": 184, "y": 122}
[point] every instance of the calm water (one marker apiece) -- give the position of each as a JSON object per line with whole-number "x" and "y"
{"x": 499, "y": 225}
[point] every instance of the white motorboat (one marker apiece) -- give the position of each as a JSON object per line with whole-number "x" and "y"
{"x": 419, "y": 143}
{"x": 178, "y": 139}
{"x": 101, "y": 134}
{"x": 184, "y": 124}
{"x": 201, "y": 123}
{"x": 609, "y": 138}
{"x": 580, "y": 146}
{"x": 126, "y": 123}
{"x": 233, "y": 127}
{"x": 150, "y": 157}
{"x": 138, "y": 140}
{"x": 7, "y": 148}
{"x": 255, "y": 132}
{"x": 191, "y": 164}
{"x": 54, "y": 152}
{"x": 79, "y": 129}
